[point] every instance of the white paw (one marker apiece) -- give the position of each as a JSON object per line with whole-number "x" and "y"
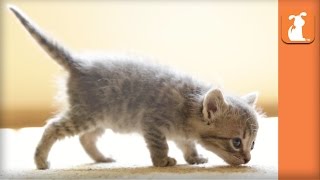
{"x": 196, "y": 160}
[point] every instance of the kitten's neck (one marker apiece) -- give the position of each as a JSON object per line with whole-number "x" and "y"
{"x": 194, "y": 121}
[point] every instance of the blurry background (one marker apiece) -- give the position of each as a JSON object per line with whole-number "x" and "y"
{"x": 233, "y": 43}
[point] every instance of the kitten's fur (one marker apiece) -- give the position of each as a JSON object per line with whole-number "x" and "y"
{"x": 129, "y": 96}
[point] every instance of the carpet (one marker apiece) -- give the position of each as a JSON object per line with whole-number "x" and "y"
{"x": 69, "y": 161}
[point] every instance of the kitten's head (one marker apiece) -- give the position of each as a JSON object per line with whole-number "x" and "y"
{"x": 229, "y": 126}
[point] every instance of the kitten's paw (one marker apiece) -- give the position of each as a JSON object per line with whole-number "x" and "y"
{"x": 42, "y": 164}
{"x": 40, "y": 161}
{"x": 171, "y": 161}
{"x": 105, "y": 160}
{"x": 168, "y": 161}
{"x": 196, "y": 160}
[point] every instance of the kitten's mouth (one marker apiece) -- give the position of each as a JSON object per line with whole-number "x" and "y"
{"x": 234, "y": 163}
{"x": 234, "y": 160}
{"x": 241, "y": 161}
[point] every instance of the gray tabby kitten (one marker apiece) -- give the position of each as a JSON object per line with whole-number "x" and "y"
{"x": 132, "y": 96}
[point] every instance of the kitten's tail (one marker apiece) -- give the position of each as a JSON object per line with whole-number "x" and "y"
{"x": 63, "y": 56}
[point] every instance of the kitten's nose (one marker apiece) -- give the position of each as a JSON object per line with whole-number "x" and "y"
{"x": 246, "y": 157}
{"x": 246, "y": 160}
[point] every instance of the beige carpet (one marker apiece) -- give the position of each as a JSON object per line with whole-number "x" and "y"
{"x": 68, "y": 159}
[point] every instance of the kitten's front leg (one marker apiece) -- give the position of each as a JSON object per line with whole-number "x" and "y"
{"x": 158, "y": 147}
{"x": 190, "y": 153}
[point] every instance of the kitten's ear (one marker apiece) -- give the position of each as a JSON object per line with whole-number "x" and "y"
{"x": 213, "y": 101}
{"x": 251, "y": 98}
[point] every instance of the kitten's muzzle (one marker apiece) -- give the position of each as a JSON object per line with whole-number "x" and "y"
{"x": 246, "y": 160}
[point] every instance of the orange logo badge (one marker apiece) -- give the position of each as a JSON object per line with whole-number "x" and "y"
{"x": 297, "y": 28}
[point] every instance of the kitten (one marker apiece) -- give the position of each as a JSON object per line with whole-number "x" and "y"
{"x": 127, "y": 96}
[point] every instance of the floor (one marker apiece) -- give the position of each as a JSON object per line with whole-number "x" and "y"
{"x": 68, "y": 159}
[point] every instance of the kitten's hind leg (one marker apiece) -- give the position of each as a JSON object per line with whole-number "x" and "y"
{"x": 88, "y": 142}
{"x": 58, "y": 128}
{"x": 158, "y": 147}
{"x": 190, "y": 153}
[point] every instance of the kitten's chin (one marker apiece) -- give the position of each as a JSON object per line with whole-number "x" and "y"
{"x": 237, "y": 162}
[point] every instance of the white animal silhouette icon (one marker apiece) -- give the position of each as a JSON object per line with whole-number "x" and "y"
{"x": 295, "y": 30}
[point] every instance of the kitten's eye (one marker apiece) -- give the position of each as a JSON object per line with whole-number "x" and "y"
{"x": 236, "y": 142}
{"x": 252, "y": 146}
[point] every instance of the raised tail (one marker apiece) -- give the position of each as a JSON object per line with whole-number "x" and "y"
{"x": 52, "y": 47}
